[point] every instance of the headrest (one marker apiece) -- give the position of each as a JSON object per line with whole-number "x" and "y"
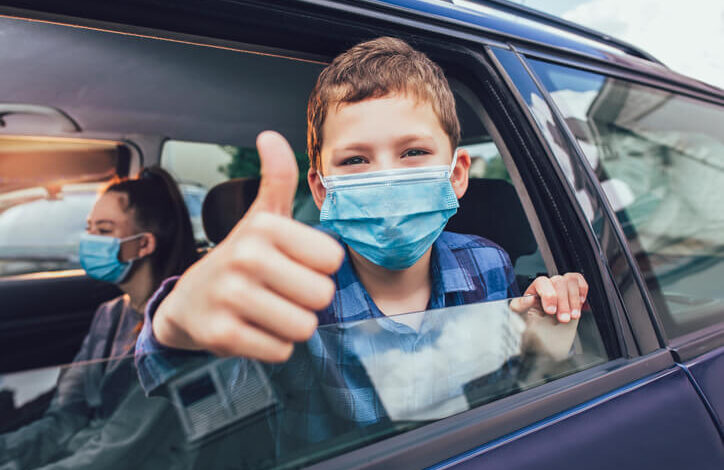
{"x": 491, "y": 208}
{"x": 225, "y": 205}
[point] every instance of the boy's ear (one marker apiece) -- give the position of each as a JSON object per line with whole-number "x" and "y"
{"x": 460, "y": 173}
{"x": 315, "y": 185}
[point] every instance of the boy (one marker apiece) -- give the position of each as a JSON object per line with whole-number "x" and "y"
{"x": 382, "y": 134}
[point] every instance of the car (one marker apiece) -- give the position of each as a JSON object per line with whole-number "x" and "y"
{"x": 589, "y": 156}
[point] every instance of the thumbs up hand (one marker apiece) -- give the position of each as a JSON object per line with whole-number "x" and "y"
{"x": 255, "y": 293}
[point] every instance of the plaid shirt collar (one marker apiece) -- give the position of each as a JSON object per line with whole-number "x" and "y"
{"x": 353, "y": 302}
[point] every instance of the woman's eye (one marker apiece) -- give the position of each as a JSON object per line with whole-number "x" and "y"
{"x": 415, "y": 153}
{"x": 104, "y": 232}
{"x": 353, "y": 161}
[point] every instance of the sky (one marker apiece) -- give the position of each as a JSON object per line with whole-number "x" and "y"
{"x": 686, "y": 35}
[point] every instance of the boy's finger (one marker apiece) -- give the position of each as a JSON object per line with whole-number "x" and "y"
{"x": 309, "y": 246}
{"x": 582, "y": 288}
{"x": 294, "y": 281}
{"x": 544, "y": 288}
{"x": 279, "y": 175}
{"x": 227, "y": 335}
{"x": 563, "y": 309}
{"x": 523, "y": 304}
{"x": 574, "y": 298}
{"x": 283, "y": 318}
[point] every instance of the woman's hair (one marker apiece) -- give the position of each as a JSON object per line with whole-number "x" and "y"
{"x": 159, "y": 208}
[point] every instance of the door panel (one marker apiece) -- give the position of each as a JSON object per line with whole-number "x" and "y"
{"x": 708, "y": 371}
{"x": 45, "y": 317}
{"x": 659, "y": 424}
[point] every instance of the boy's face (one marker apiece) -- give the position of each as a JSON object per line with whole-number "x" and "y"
{"x": 387, "y": 133}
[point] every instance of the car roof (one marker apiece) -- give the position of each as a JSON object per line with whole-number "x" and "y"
{"x": 504, "y": 20}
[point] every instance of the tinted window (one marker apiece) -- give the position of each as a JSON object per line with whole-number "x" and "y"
{"x": 351, "y": 384}
{"x": 660, "y": 160}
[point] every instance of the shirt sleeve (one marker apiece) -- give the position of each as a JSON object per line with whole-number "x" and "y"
{"x": 513, "y": 289}
{"x": 156, "y": 363}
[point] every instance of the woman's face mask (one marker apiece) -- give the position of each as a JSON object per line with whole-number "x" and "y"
{"x": 99, "y": 256}
{"x": 390, "y": 217}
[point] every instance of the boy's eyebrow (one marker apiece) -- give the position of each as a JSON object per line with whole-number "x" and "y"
{"x": 406, "y": 139}
{"x": 399, "y": 142}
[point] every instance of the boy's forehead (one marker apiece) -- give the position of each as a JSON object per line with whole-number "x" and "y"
{"x": 391, "y": 117}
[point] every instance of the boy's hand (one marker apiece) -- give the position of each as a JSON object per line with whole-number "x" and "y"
{"x": 256, "y": 292}
{"x": 562, "y": 296}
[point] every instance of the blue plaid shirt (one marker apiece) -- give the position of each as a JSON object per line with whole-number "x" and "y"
{"x": 324, "y": 386}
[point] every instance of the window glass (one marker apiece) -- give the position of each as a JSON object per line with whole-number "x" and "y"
{"x": 39, "y": 232}
{"x": 47, "y": 188}
{"x": 199, "y": 167}
{"x": 351, "y": 384}
{"x": 660, "y": 160}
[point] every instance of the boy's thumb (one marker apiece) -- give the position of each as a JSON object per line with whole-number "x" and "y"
{"x": 279, "y": 175}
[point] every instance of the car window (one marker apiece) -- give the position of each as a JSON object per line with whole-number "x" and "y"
{"x": 47, "y": 188}
{"x": 351, "y": 384}
{"x": 41, "y": 233}
{"x": 660, "y": 160}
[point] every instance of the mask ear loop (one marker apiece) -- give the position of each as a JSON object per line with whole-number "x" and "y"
{"x": 454, "y": 161}
{"x": 321, "y": 178}
{"x": 129, "y": 238}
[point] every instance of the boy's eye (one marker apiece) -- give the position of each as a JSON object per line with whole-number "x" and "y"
{"x": 353, "y": 161}
{"x": 415, "y": 153}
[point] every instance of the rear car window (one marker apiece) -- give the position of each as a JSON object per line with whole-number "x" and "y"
{"x": 660, "y": 160}
{"x": 47, "y": 188}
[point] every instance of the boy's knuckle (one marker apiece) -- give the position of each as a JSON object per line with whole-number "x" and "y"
{"x": 282, "y": 352}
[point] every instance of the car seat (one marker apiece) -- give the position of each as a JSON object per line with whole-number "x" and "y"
{"x": 491, "y": 208}
{"x": 225, "y": 205}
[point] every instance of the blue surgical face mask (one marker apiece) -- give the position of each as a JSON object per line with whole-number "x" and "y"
{"x": 390, "y": 217}
{"x": 99, "y": 257}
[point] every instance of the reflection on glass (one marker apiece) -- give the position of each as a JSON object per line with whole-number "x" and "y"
{"x": 660, "y": 160}
{"x": 349, "y": 385}
{"x": 108, "y": 424}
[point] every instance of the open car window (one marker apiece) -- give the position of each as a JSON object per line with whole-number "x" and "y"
{"x": 349, "y": 385}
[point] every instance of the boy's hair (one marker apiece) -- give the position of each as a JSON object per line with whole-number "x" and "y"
{"x": 375, "y": 69}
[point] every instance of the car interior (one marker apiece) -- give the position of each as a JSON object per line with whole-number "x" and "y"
{"x": 121, "y": 106}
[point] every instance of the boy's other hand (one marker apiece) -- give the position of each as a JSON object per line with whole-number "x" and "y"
{"x": 562, "y": 296}
{"x": 255, "y": 293}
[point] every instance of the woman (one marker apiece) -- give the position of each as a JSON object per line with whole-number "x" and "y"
{"x": 138, "y": 234}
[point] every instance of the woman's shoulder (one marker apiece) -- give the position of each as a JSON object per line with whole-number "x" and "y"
{"x": 109, "y": 311}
